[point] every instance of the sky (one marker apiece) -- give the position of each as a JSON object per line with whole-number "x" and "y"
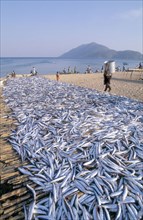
{"x": 49, "y": 28}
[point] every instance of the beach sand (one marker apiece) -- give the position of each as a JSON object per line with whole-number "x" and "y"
{"x": 122, "y": 83}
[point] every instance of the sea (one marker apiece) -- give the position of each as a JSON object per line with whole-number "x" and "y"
{"x": 50, "y": 65}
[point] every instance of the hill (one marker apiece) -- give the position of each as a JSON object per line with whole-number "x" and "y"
{"x": 94, "y": 50}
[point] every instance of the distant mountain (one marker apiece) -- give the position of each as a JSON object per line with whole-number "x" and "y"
{"x": 128, "y": 54}
{"x": 94, "y": 50}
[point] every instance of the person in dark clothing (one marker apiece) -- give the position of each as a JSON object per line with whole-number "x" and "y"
{"x": 107, "y": 78}
{"x": 140, "y": 66}
{"x": 57, "y": 76}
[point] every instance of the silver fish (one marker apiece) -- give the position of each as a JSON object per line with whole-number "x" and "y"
{"x": 84, "y": 149}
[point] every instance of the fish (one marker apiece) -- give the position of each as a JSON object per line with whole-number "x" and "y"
{"x": 84, "y": 149}
{"x": 32, "y": 204}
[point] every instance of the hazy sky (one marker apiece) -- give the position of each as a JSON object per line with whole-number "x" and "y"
{"x": 51, "y": 28}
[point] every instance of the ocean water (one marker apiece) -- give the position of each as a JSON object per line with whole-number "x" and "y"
{"x": 48, "y": 65}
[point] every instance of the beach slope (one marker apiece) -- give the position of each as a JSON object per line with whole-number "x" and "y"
{"x": 122, "y": 83}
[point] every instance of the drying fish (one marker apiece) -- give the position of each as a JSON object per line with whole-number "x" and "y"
{"x": 84, "y": 148}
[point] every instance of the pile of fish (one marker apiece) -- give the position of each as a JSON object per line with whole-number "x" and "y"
{"x": 85, "y": 150}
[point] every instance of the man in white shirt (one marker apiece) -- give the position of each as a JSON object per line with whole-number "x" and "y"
{"x": 34, "y": 72}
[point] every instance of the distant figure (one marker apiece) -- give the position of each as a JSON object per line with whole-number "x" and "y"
{"x": 33, "y": 71}
{"x": 57, "y": 76}
{"x": 107, "y": 78}
{"x": 140, "y": 66}
{"x": 88, "y": 69}
{"x": 102, "y": 69}
{"x": 118, "y": 69}
{"x": 64, "y": 70}
{"x": 13, "y": 74}
{"x": 75, "y": 69}
{"x": 69, "y": 69}
{"x": 124, "y": 69}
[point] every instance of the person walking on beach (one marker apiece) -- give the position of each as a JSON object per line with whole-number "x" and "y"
{"x": 102, "y": 69}
{"x": 107, "y": 78}
{"x": 57, "y": 76}
{"x": 140, "y": 66}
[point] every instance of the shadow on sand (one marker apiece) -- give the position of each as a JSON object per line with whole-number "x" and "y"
{"x": 139, "y": 81}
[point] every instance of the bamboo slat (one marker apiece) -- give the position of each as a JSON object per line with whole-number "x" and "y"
{"x": 14, "y": 193}
{"x": 8, "y": 204}
{"x": 19, "y": 192}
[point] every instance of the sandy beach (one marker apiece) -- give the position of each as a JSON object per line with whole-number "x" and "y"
{"x": 122, "y": 83}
